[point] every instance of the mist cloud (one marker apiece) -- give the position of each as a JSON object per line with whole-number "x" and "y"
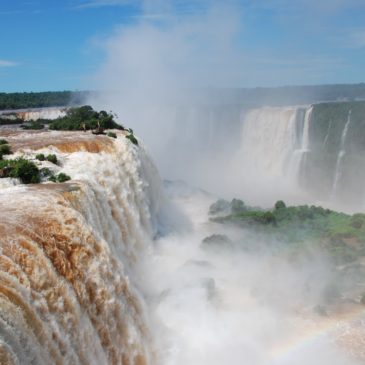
{"x": 156, "y": 63}
{"x": 178, "y": 52}
{"x": 209, "y": 307}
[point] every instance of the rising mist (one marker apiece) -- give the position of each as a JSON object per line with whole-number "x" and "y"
{"x": 172, "y": 79}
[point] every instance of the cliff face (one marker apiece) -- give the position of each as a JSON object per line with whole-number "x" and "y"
{"x": 67, "y": 252}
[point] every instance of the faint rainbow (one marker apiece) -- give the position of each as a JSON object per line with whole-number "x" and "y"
{"x": 310, "y": 335}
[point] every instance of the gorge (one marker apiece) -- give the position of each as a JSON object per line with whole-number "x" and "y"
{"x": 111, "y": 267}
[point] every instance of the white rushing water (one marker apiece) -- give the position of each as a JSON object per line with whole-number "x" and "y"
{"x": 109, "y": 270}
{"x": 275, "y": 141}
{"x": 273, "y": 147}
{"x": 67, "y": 260}
{"x": 341, "y": 155}
{"x": 35, "y": 113}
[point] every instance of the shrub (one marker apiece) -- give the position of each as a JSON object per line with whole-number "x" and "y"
{"x": 45, "y": 172}
{"x": 220, "y": 206}
{"x": 10, "y": 121}
{"x": 34, "y": 125}
{"x": 5, "y": 149}
{"x": 40, "y": 157}
{"x": 25, "y": 170}
{"x": 304, "y": 212}
{"x": 357, "y": 220}
{"x": 238, "y": 206}
{"x": 132, "y": 138}
{"x": 264, "y": 217}
{"x": 111, "y": 134}
{"x": 52, "y": 158}
{"x": 280, "y": 205}
{"x": 63, "y": 177}
{"x": 3, "y": 141}
{"x": 60, "y": 178}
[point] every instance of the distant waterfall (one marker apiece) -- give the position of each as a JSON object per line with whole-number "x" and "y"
{"x": 328, "y": 133}
{"x": 341, "y": 154}
{"x": 275, "y": 141}
{"x": 298, "y": 158}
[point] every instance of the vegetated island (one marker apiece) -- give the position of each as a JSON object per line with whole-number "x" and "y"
{"x": 298, "y": 233}
{"x": 341, "y": 235}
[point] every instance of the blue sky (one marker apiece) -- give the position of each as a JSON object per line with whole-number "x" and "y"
{"x": 63, "y": 44}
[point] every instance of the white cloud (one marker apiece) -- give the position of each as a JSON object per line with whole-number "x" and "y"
{"x": 101, "y": 3}
{"x": 6, "y": 63}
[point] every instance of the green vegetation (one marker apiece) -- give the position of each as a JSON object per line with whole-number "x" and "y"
{"x": 111, "y": 134}
{"x": 45, "y": 173}
{"x": 84, "y": 118}
{"x": 60, "y": 178}
{"x": 342, "y": 235}
{"x": 219, "y": 207}
{"x": 132, "y": 138}
{"x": 4, "y": 148}
{"x": 40, "y": 157}
{"x": 51, "y": 158}
{"x": 25, "y": 170}
{"x": 10, "y": 121}
{"x": 36, "y": 125}
{"x": 40, "y": 99}
{"x": 280, "y": 205}
{"x": 28, "y": 172}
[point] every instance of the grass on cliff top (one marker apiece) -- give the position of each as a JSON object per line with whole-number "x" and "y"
{"x": 341, "y": 234}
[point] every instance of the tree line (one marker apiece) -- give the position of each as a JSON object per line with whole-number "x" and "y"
{"x": 26, "y": 100}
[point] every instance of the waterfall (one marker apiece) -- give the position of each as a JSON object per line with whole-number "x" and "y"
{"x": 298, "y": 159}
{"x": 274, "y": 145}
{"x": 341, "y": 154}
{"x": 68, "y": 294}
{"x": 328, "y": 133}
{"x": 82, "y": 283}
{"x": 305, "y": 140}
{"x": 268, "y": 140}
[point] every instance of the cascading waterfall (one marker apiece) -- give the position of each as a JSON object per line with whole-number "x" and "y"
{"x": 34, "y": 113}
{"x": 68, "y": 251}
{"x": 276, "y": 140}
{"x": 80, "y": 283}
{"x": 341, "y": 155}
{"x": 268, "y": 139}
{"x": 298, "y": 159}
{"x": 273, "y": 149}
{"x": 327, "y": 134}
